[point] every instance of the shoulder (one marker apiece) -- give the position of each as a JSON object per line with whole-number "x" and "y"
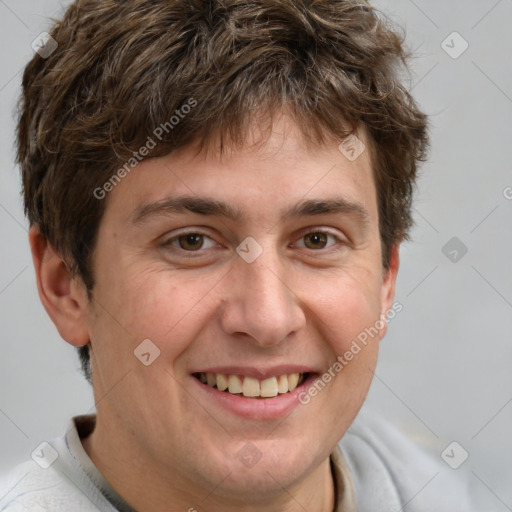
{"x": 51, "y": 481}
{"x": 390, "y": 468}
{"x": 30, "y": 487}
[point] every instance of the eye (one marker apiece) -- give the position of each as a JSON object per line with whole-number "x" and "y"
{"x": 318, "y": 240}
{"x": 195, "y": 241}
{"x": 190, "y": 242}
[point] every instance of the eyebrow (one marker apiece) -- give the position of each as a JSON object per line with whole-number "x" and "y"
{"x": 212, "y": 207}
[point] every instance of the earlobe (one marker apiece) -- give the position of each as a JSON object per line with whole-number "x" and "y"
{"x": 62, "y": 297}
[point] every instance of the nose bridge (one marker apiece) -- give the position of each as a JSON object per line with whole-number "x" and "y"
{"x": 262, "y": 304}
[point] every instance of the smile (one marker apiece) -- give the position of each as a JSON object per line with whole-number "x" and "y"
{"x": 250, "y": 387}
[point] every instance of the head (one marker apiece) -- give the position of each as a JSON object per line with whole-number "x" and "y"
{"x": 221, "y": 120}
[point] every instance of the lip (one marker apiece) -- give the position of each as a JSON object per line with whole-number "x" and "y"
{"x": 253, "y": 408}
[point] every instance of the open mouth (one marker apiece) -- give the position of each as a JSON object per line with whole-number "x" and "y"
{"x": 249, "y": 387}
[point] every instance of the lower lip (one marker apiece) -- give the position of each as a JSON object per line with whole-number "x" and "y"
{"x": 256, "y": 408}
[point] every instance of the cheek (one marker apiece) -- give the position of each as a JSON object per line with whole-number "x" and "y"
{"x": 346, "y": 319}
{"x": 347, "y": 308}
{"x": 160, "y": 306}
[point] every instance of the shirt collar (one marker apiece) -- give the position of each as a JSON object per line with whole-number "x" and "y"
{"x": 345, "y": 500}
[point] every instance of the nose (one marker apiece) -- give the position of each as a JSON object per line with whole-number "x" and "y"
{"x": 261, "y": 302}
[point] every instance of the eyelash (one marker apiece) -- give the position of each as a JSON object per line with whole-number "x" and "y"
{"x": 169, "y": 242}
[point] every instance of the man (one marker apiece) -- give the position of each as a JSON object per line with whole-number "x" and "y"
{"x": 217, "y": 192}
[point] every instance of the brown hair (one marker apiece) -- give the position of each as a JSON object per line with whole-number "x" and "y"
{"x": 124, "y": 67}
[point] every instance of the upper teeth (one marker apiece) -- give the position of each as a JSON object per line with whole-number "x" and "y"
{"x": 251, "y": 387}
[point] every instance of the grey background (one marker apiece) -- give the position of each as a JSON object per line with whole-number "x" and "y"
{"x": 444, "y": 373}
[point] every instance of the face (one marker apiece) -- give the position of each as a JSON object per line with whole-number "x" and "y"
{"x": 243, "y": 271}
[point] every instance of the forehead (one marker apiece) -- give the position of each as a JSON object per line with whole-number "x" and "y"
{"x": 277, "y": 176}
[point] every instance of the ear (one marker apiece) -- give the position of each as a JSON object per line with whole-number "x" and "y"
{"x": 388, "y": 285}
{"x": 64, "y": 298}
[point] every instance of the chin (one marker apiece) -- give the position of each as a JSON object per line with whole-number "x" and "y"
{"x": 260, "y": 483}
{"x": 259, "y": 470}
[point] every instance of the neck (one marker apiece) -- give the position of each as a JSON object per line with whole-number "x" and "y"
{"x": 146, "y": 486}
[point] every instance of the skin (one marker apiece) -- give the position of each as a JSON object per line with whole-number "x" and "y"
{"x": 303, "y": 301}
